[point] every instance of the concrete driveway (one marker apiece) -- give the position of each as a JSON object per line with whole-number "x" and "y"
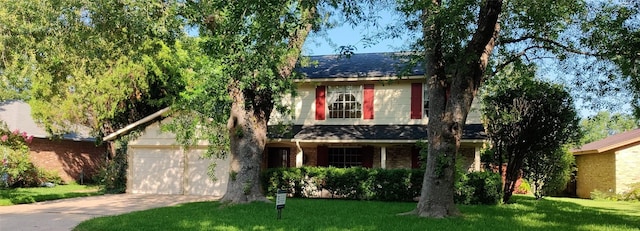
{"x": 68, "y": 213}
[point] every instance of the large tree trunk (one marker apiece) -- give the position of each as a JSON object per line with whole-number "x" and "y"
{"x": 248, "y": 123}
{"x": 450, "y": 98}
{"x": 248, "y": 137}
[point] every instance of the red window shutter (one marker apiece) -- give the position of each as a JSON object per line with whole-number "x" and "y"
{"x": 416, "y": 101}
{"x": 367, "y": 156}
{"x": 368, "y": 102}
{"x": 320, "y": 99}
{"x": 322, "y": 154}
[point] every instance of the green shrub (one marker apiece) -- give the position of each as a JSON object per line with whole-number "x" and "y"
{"x": 351, "y": 183}
{"x": 486, "y": 187}
{"x": 464, "y": 192}
{"x": 397, "y": 184}
{"x": 523, "y": 188}
{"x": 376, "y": 184}
{"x": 633, "y": 194}
{"x": 602, "y": 195}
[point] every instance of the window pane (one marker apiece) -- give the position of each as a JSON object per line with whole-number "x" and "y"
{"x": 345, "y": 157}
{"x": 344, "y": 102}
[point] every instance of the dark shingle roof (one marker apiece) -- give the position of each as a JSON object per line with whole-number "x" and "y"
{"x": 358, "y": 65}
{"x": 365, "y": 132}
{"x": 609, "y": 143}
{"x": 17, "y": 115}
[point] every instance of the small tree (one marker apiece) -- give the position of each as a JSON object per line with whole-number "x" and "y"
{"x": 549, "y": 171}
{"x": 527, "y": 119}
{"x": 15, "y": 164}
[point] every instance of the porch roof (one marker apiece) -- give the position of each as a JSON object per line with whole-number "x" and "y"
{"x": 319, "y": 133}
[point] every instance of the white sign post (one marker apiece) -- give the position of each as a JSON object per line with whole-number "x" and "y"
{"x": 281, "y": 199}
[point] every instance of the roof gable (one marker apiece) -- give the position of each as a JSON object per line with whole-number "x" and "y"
{"x": 610, "y": 143}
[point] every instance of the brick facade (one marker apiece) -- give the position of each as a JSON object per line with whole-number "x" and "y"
{"x": 627, "y": 163}
{"x": 595, "y": 171}
{"x": 70, "y": 159}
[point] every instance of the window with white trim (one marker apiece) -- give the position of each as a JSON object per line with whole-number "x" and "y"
{"x": 344, "y": 102}
{"x": 425, "y": 101}
{"x": 345, "y": 157}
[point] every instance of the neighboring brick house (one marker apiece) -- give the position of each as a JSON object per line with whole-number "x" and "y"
{"x": 74, "y": 156}
{"x": 357, "y": 112}
{"x": 608, "y": 165}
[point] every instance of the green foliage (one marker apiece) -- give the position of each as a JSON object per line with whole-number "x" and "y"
{"x": 523, "y": 188}
{"x": 528, "y": 122}
{"x": 16, "y": 168}
{"x": 112, "y": 178}
{"x": 351, "y": 183}
{"x": 486, "y": 187}
{"x": 101, "y": 64}
{"x": 632, "y": 194}
{"x": 605, "y": 124}
{"x": 550, "y": 171}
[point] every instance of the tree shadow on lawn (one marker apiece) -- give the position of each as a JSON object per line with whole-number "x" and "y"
{"x": 527, "y": 213}
{"x": 319, "y": 214}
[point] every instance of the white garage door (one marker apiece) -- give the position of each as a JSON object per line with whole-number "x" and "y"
{"x": 198, "y": 181}
{"x": 156, "y": 171}
{"x": 163, "y": 171}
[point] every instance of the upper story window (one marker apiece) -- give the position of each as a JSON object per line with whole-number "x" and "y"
{"x": 425, "y": 101}
{"x": 344, "y": 101}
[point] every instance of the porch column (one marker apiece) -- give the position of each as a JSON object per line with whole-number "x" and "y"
{"x": 383, "y": 157}
{"x": 476, "y": 159}
{"x": 299, "y": 155}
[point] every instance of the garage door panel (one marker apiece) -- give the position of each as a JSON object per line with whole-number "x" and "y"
{"x": 199, "y": 182}
{"x": 156, "y": 171}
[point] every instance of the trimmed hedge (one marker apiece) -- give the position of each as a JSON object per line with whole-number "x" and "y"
{"x": 375, "y": 184}
{"x": 352, "y": 183}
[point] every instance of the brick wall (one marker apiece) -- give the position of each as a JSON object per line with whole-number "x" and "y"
{"x": 595, "y": 171}
{"x": 627, "y": 163}
{"x": 68, "y": 158}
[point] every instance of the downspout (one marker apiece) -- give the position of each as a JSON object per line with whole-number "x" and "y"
{"x": 299, "y": 155}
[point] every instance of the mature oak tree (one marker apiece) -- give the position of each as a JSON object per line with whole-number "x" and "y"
{"x": 462, "y": 43}
{"x": 102, "y": 64}
{"x": 255, "y": 46}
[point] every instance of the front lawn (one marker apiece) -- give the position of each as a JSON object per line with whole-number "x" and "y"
{"x": 31, "y": 195}
{"x": 319, "y": 214}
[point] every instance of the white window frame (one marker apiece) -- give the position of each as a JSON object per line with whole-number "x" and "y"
{"x": 333, "y": 94}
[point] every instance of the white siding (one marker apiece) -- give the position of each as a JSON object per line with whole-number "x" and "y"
{"x": 392, "y": 105}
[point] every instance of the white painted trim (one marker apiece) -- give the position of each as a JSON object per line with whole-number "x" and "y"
{"x": 299, "y": 155}
{"x": 383, "y": 157}
{"x": 127, "y": 128}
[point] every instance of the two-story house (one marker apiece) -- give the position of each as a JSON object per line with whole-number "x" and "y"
{"x": 357, "y": 112}
{"x": 347, "y": 112}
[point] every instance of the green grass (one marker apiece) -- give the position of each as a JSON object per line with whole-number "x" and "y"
{"x": 31, "y": 195}
{"x": 316, "y": 214}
